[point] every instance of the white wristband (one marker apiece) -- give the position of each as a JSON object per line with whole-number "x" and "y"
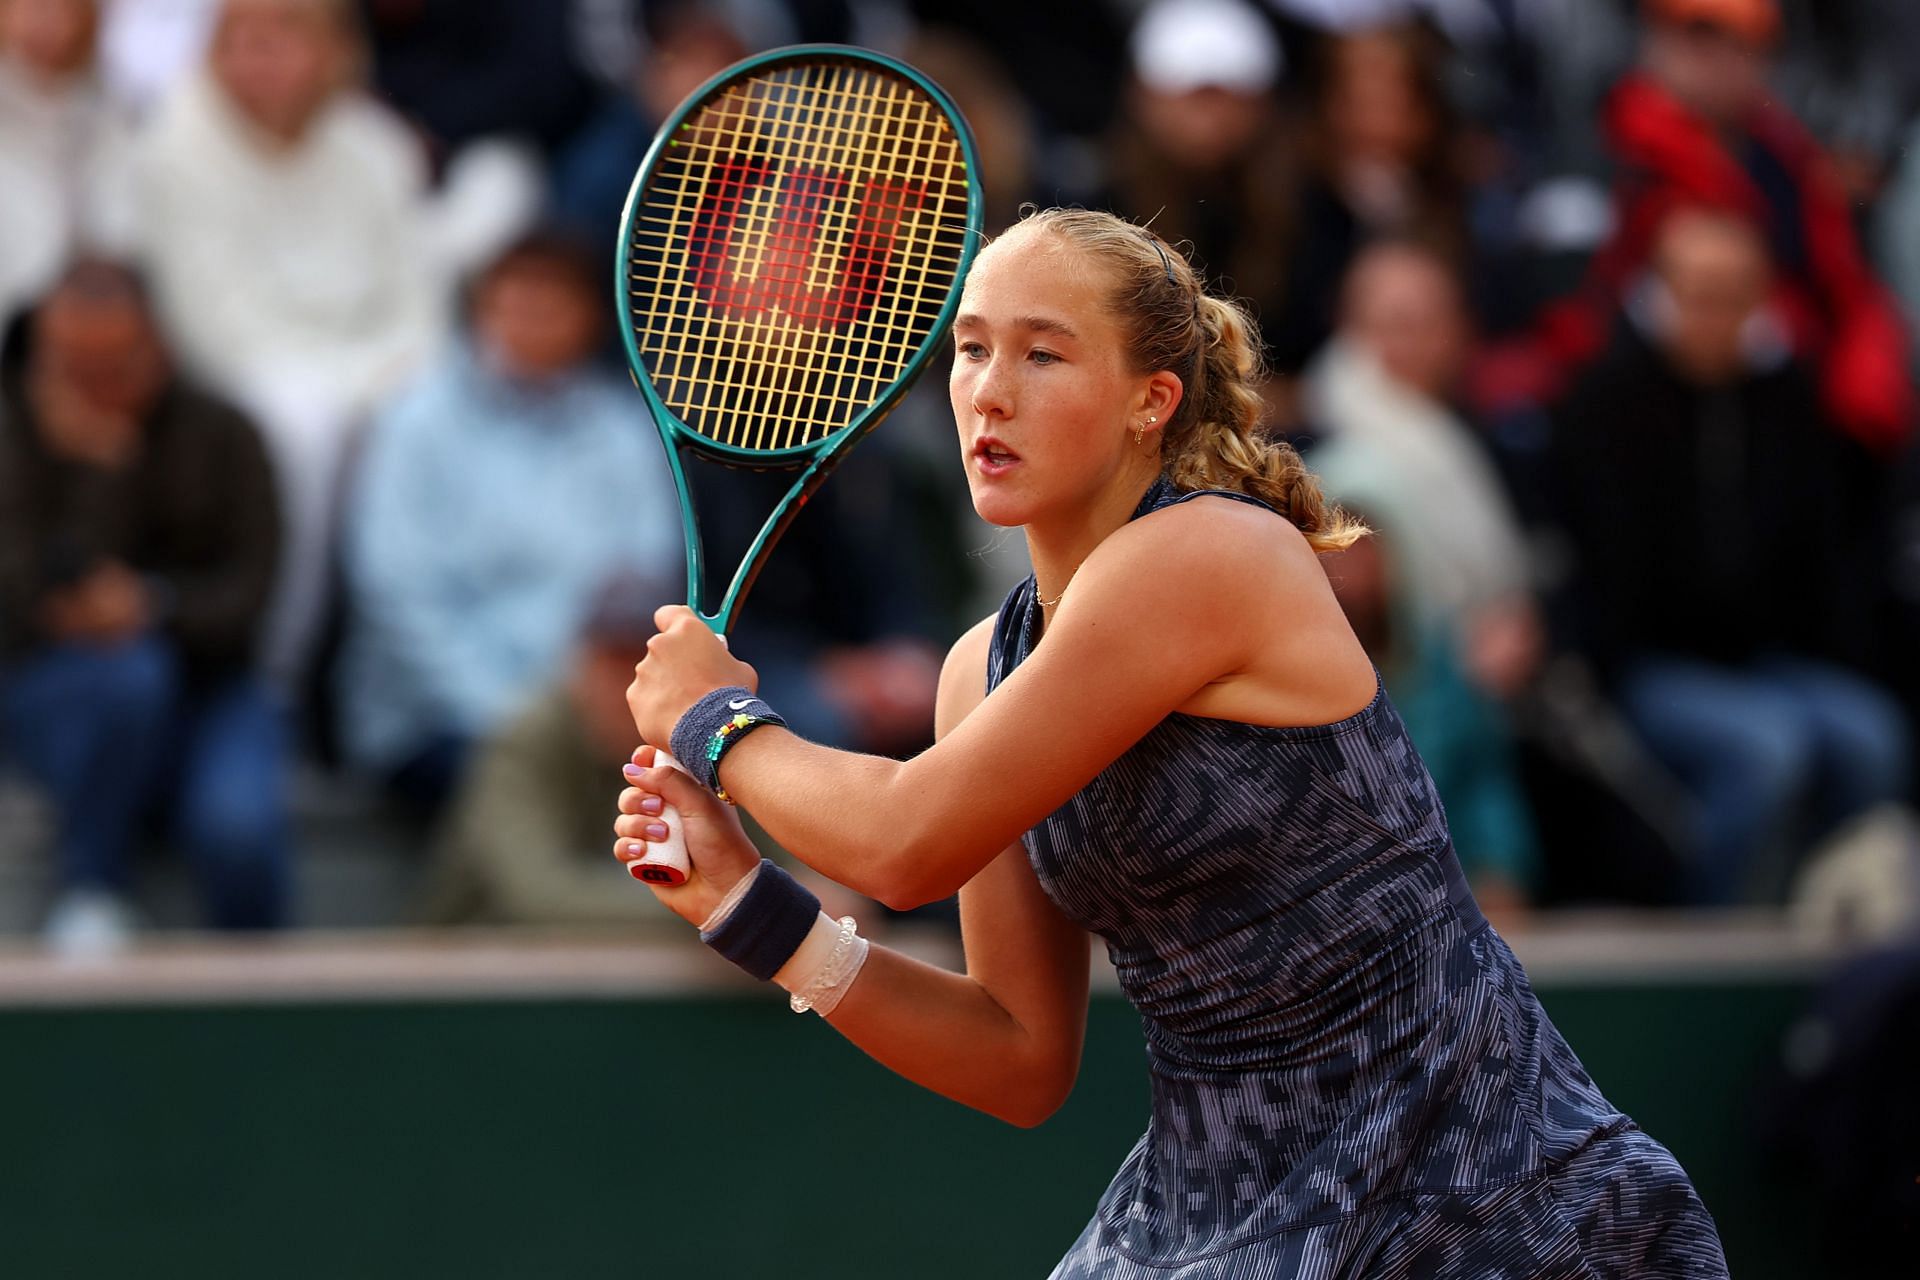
{"x": 811, "y": 955}
{"x": 819, "y": 981}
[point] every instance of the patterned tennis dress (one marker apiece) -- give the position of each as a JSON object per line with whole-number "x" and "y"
{"x": 1351, "y": 1076}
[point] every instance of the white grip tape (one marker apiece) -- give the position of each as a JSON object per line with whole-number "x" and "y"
{"x": 666, "y": 861}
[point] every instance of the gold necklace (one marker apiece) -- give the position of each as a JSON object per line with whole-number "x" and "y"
{"x": 1046, "y": 603}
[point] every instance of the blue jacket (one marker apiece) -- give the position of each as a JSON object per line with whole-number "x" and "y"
{"x": 483, "y": 518}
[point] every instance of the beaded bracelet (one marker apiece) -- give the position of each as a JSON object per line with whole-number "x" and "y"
{"x": 712, "y": 726}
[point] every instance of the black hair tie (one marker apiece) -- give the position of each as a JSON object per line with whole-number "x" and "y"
{"x": 1161, "y": 249}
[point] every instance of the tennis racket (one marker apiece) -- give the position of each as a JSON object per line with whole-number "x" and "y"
{"x": 791, "y": 256}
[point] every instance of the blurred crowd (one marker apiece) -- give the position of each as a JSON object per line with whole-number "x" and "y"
{"x": 316, "y": 457}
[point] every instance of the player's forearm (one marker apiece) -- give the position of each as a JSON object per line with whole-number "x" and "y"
{"x": 946, "y": 1032}
{"x": 885, "y": 828}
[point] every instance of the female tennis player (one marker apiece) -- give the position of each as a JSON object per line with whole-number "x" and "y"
{"x": 1168, "y": 737}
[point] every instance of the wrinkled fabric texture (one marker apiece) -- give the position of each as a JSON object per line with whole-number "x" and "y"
{"x": 1350, "y": 1073}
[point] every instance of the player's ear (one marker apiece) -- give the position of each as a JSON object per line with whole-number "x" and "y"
{"x": 1164, "y": 391}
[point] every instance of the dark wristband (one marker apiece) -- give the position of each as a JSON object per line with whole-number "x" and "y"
{"x": 712, "y": 725}
{"x": 768, "y": 925}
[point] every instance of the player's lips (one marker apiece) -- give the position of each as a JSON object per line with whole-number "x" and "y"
{"x": 993, "y": 456}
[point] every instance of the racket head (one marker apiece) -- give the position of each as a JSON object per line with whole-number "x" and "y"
{"x": 791, "y": 256}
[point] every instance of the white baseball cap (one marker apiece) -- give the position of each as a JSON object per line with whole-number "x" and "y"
{"x": 1182, "y": 45}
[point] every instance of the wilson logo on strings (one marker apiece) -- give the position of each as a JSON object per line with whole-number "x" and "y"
{"x": 782, "y": 255}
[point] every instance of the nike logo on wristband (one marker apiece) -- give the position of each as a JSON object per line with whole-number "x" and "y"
{"x": 740, "y": 704}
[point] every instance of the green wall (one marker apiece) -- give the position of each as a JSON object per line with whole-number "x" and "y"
{"x": 713, "y": 1137}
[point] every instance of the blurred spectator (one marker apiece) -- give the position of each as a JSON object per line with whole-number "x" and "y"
{"x": 137, "y": 538}
{"x": 1695, "y": 125}
{"x": 1382, "y": 395}
{"x": 496, "y": 492}
{"x": 527, "y": 838}
{"x": 690, "y": 44}
{"x": 1701, "y": 493}
{"x": 63, "y": 148}
{"x": 1896, "y": 236}
{"x": 469, "y": 69}
{"x": 610, "y": 33}
{"x": 1458, "y": 731}
{"x": 988, "y": 100}
{"x": 1532, "y": 72}
{"x": 149, "y": 46}
{"x": 1381, "y": 157}
{"x": 1198, "y": 152}
{"x": 1068, "y": 59}
{"x": 297, "y": 256}
{"x": 839, "y": 626}
{"x": 1837, "y": 1116}
{"x": 1847, "y": 69}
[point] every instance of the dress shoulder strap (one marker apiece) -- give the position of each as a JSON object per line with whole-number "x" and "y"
{"x": 1012, "y": 631}
{"x": 1163, "y": 494}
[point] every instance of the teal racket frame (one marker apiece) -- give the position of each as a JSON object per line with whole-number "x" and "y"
{"x": 816, "y": 460}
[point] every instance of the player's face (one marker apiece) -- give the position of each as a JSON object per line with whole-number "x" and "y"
{"x": 1044, "y": 396}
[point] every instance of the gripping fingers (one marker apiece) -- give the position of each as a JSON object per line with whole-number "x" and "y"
{"x": 634, "y": 800}
{"x": 665, "y": 862}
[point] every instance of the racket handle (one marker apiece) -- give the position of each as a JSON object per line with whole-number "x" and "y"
{"x": 666, "y": 862}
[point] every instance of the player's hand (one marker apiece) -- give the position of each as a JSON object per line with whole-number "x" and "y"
{"x": 685, "y": 662}
{"x": 716, "y": 845}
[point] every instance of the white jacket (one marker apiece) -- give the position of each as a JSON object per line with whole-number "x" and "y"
{"x": 64, "y": 182}
{"x": 305, "y": 264}
{"x": 1392, "y": 448}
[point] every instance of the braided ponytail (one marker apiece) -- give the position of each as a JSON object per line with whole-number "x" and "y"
{"x": 1214, "y": 440}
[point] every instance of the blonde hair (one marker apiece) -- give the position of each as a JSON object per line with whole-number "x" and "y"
{"x": 1215, "y": 438}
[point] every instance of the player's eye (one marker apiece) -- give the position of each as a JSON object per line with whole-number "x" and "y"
{"x": 1044, "y": 357}
{"x": 971, "y": 350}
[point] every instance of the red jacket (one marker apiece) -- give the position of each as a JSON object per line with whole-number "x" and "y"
{"x": 1843, "y": 320}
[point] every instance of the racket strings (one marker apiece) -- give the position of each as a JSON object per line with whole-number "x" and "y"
{"x": 761, "y": 243}
{"x": 793, "y": 250}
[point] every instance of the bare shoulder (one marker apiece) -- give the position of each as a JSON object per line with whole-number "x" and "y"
{"x": 1234, "y": 574}
{"x": 963, "y": 677}
{"x": 1203, "y": 550}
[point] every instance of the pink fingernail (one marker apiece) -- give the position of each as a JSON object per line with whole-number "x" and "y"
{"x": 634, "y": 772}
{"x": 635, "y": 849}
{"x": 652, "y": 804}
{"x": 656, "y": 831}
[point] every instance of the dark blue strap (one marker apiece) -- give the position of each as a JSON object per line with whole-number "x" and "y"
{"x": 768, "y": 925}
{"x": 696, "y": 742}
{"x": 1163, "y": 493}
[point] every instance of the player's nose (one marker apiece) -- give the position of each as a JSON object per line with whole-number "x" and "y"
{"x": 992, "y": 391}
